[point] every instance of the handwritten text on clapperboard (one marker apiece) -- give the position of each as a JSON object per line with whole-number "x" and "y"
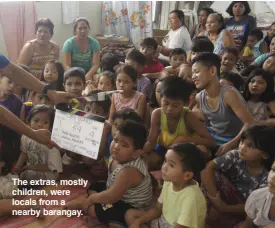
{"x": 77, "y": 134}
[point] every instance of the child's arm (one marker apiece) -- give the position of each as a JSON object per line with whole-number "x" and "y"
{"x": 154, "y": 131}
{"x": 196, "y": 109}
{"x": 127, "y": 178}
{"x": 271, "y": 121}
{"x": 112, "y": 110}
{"x": 106, "y": 130}
{"x": 233, "y": 100}
{"x": 195, "y": 125}
{"x": 148, "y": 216}
{"x": 141, "y": 106}
{"x": 208, "y": 178}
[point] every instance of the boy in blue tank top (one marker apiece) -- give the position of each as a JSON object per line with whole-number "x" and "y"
{"x": 221, "y": 107}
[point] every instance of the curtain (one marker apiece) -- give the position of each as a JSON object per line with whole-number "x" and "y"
{"x": 70, "y": 11}
{"x": 129, "y": 19}
{"x": 18, "y": 23}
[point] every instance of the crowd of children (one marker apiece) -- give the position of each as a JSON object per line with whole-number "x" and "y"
{"x": 206, "y": 127}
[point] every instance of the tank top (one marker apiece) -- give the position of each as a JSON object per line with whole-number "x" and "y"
{"x": 258, "y": 110}
{"x": 166, "y": 138}
{"x": 130, "y": 104}
{"x": 38, "y": 61}
{"x": 218, "y": 44}
{"x": 140, "y": 196}
{"x": 222, "y": 121}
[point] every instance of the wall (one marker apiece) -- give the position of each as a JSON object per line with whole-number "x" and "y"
{"x": 90, "y": 10}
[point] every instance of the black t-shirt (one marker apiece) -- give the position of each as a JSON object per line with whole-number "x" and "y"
{"x": 240, "y": 29}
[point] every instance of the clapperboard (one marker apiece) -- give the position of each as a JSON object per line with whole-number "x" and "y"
{"x": 78, "y": 131}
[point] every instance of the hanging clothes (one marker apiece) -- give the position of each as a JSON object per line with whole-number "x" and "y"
{"x": 18, "y": 24}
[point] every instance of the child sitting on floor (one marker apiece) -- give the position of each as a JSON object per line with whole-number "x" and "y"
{"x": 174, "y": 123}
{"x": 259, "y": 206}
{"x": 129, "y": 98}
{"x": 181, "y": 203}
{"x": 255, "y": 46}
{"x": 247, "y": 170}
{"x": 74, "y": 83}
{"x": 229, "y": 60}
{"x": 128, "y": 184}
{"x": 177, "y": 57}
{"x": 152, "y": 68}
{"x": 137, "y": 60}
{"x": 221, "y": 107}
{"x": 53, "y": 74}
{"x": 37, "y": 161}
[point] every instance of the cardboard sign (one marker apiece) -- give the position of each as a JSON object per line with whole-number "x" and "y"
{"x": 77, "y": 133}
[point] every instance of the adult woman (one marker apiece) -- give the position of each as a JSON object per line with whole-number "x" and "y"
{"x": 37, "y": 52}
{"x": 82, "y": 50}
{"x": 240, "y": 24}
{"x": 200, "y": 27}
{"x": 177, "y": 37}
{"x": 220, "y": 37}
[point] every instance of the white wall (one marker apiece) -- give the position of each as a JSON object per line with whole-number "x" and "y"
{"x": 90, "y": 10}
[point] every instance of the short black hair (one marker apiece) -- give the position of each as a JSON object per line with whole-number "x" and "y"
{"x": 208, "y": 10}
{"x": 233, "y": 50}
{"x": 229, "y": 9}
{"x": 209, "y": 60}
{"x": 153, "y": 99}
{"x": 137, "y": 56}
{"x": 42, "y": 108}
{"x": 75, "y": 72}
{"x": 268, "y": 94}
{"x": 262, "y": 137}
{"x": 176, "y": 88}
{"x": 235, "y": 78}
{"x": 202, "y": 44}
{"x": 258, "y": 33}
{"x": 110, "y": 75}
{"x": 129, "y": 70}
{"x": 127, "y": 114}
{"x": 178, "y": 51}
{"x": 109, "y": 61}
{"x": 192, "y": 158}
{"x": 45, "y": 22}
{"x": 136, "y": 131}
{"x": 149, "y": 41}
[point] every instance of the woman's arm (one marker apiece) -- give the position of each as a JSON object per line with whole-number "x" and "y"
{"x": 11, "y": 121}
{"x": 141, "y": 106}
{"x": 67, "y": 60}
{"x": 26, "y": 53}
{"x": 96, "y": 63}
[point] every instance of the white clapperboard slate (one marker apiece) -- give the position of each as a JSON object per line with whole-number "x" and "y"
{"x": 81, "y": 135}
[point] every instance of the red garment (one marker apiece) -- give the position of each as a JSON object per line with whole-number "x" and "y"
{"x": 155, "y": 67}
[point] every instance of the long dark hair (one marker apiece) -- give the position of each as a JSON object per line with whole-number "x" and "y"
{"x": 268, "y": 95}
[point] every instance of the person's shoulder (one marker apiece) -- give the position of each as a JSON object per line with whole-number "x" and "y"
{"x": 259, "y": 193}
{"x": 92, "y": 40}
{"x": 70, "y": 40}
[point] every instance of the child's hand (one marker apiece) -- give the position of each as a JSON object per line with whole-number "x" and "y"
{"x": 218, "y": 203}
{"x": 225, "y": 148}
{"x": 86, "y": 206}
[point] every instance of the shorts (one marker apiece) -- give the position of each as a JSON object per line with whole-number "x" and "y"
{"x": 107, "y": 213}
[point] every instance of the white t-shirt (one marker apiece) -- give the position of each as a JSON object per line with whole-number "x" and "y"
{"x": 179, "y": 38}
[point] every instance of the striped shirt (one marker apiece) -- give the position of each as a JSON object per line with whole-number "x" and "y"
{"x": 140, "y": 196}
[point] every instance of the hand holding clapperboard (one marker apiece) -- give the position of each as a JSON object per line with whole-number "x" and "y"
{"x": 78, "y": 131}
